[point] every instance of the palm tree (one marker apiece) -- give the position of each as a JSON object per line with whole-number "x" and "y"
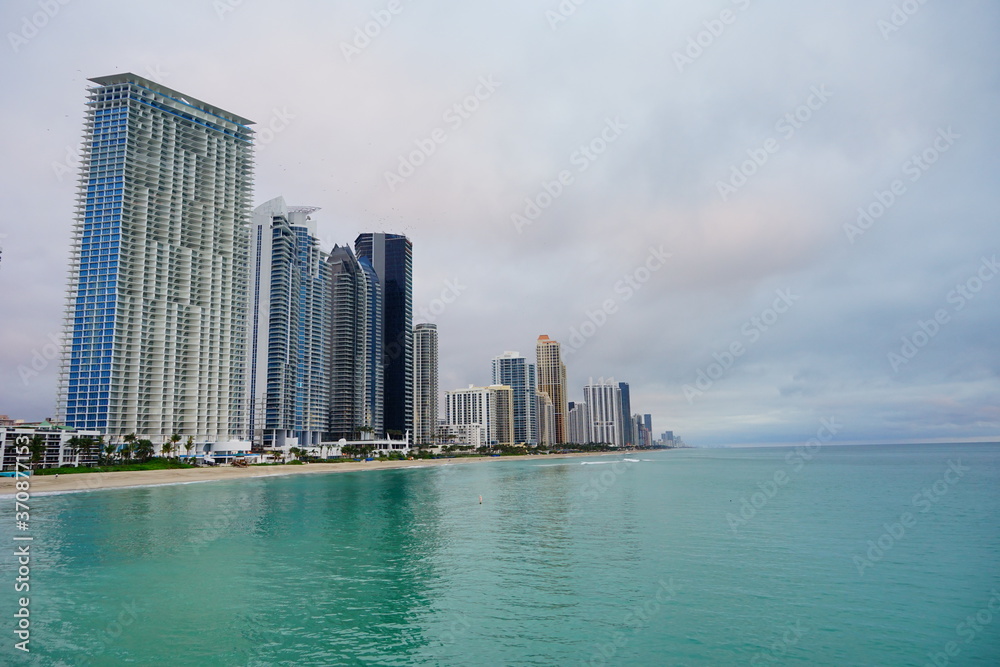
{"x": 109, "y": 452}
{"x": 144, "y": 450}
{"x": 37, "y": 448}
{"x": 166, "y": 448}
{"x": 189, "y": 445}
{"x": 175, "y": 441}
{"x": 128, "y": 447}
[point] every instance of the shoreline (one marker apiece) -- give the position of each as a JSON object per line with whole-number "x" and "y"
{"x": 99, "y": 481}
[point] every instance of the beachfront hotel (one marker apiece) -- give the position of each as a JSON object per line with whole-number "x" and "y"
{"x": 425, "y": 383}
{"x": 552, "y": 381}
{"x": 155, "y": 329}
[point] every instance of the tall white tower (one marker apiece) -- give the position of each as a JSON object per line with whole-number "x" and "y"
{"x": 155, "y": 324}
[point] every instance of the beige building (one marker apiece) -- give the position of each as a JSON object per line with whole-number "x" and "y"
{"x": 552, "y": 381}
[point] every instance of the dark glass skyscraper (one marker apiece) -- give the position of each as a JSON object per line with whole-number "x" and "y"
{"x": 391, "y": 256}
{"x": 628, "y": 433}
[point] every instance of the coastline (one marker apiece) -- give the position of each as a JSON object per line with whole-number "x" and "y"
{"x": 97, "y": 481}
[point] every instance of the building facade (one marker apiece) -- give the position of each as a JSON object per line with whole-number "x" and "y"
{"x": 514, "y": 371}
{"x": 484, "y": 416}
{"x": 604, "y": 403}
{"x": 425, "y": 383}
{"x": 289, "y": 328}
{"x": 391, "y": 257}
{"x": 155, "y": 323}
{"x": 579, "y": 423}
{"x": 552, "y": 381}
{"x": 350, "y": 406}
{"x": 628, "y": 435}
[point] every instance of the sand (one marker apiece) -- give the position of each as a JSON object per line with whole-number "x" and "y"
{"x": 96, "y": 481}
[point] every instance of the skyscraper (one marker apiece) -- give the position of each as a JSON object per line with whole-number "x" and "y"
{"x": 552, "y": 381}
{"x": 604, "y": 403}
{"x": 155, "y": 324}
{"x": 375, "y": 371}
{"x": 514, "y": 371}
{"x": 391, "y": 257}
{"x": 289, "y": 328}
{"x": 425, "y": 383}
{"x": 350, "y": 360}
{"x": 628, "y": 434}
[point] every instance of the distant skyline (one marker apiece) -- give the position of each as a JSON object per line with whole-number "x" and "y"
{"x": 759, "y": 215}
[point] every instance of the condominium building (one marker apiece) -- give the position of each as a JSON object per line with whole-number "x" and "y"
{"x": 513, "y": 370}
{"x": 354, "y": 370}
{"x": 546, "y": 419}
{"x": 391, "y": 258}
{"x": 578, "y": 423}
{"x": 483, "y": 415}
{"x": 155, "y": 323}
{"x": 628, "y": 434}
{"x": 425, "y": 383}
{"x": 289, "y": 328}
{"x": 552, "y": 381}
{"x": 604, "y": 402}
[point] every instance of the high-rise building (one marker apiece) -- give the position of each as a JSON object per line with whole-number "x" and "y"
{"x": 546, "y": 419}
{"x": 289, "y": 328}
{"x": 425, "y": 383}
{"x": 648, "y": 423}
{"x": 628, "y": 436}
{"x": 375, "y": 371}
{"x": 155, "y": 324}
{"x": 351, "y": 371}
{"x": 483, "y": 415}
{"x": 604, "y": 403}
{"x": 578, "y": 423}
{"x": 552, "y": 380}
{"x": 391, "y": 257}
{"x": 513, "y": 370}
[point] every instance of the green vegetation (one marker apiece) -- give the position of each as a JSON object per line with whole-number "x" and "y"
{"x": 152, "y": 464}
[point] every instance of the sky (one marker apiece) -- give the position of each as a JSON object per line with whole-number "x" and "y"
{"x": 775, "y": 220}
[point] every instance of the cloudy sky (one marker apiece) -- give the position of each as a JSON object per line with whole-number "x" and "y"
{"x": 671, "y": 189}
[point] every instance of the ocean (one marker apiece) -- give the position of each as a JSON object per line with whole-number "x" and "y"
{"x": 832, "y": 555}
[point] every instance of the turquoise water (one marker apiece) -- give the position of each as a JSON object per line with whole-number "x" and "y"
{"x": 566, "y": 562}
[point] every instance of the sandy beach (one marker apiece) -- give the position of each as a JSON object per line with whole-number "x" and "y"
{"x": 125, "y": 479}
